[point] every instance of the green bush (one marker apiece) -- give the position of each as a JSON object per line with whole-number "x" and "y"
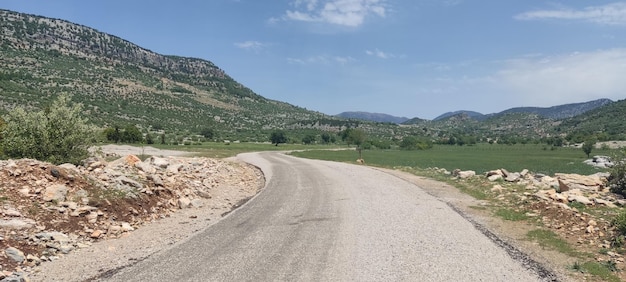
{"x": 57, "y": 134}
{"x": 617, "y": 179}
{"x": 620, "y": 222}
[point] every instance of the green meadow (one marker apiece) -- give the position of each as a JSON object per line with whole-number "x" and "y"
{"x": 480, "y": 158}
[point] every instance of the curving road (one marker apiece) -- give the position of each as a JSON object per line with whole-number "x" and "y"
{"x": 326, "y": 221}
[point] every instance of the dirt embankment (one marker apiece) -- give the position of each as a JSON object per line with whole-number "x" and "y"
{"x": 94, "y": 218}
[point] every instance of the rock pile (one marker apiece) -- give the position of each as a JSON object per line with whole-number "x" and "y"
{"x": 600, "y": 161}
{"x": 47, "y": 211}
{"x": 562, "y": 202}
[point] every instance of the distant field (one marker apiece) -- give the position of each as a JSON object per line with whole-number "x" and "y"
{"x": 221, "y": 150}
{"x": 480, "y": 158}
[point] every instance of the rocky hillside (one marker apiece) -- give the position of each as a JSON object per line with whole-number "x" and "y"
{"x": 607, "y": 120}
{"x": 122, "y": 83}
{"x": 561, "y": 111}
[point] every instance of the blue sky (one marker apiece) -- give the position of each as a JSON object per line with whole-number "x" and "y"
{"x": 412, "y": 58}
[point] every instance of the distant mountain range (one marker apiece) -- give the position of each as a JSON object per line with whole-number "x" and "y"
{"x": 377, "y": 117}
{"x": 555, "y": 112}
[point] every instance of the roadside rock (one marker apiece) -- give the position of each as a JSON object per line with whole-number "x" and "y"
{"x": 55, "y": 193}
{"x": 70, "y": 207}
{"x": 463, "y": 174}
{"x": 15, "y": 254}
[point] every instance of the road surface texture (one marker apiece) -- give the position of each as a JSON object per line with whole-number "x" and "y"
{"x": 327, "y": 221}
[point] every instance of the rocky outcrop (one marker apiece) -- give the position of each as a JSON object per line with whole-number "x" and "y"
{"x": 48, "y": 211}
{"x": 600, "y": 162}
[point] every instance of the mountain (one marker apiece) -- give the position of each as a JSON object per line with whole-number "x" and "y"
{"x": 121, "y": 83}
{"x": 607, "y": 120}
{"x": 471, "y": 114}
{"x": 377, "y": 117}
{"x": 561, "y": 111}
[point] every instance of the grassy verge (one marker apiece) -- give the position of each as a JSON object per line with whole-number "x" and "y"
{"x": 603, "y": 270}
{"x": 550, "y": 240}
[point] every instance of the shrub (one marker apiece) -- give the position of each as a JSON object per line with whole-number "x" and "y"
{"x": 620, "y": 222}
{"x": 57, "y": 134}
{"x": 617, "y": 178}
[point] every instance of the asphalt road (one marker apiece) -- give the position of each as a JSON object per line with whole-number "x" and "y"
{"x": 325, "y": 221}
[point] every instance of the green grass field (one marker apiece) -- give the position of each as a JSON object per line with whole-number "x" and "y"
{"x": 480, "y": 158}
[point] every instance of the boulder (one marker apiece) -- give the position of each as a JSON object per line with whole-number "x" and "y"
{"x": 513, "y": 177}
{"x": 463, "y": 174}
{"x": 55, "y": 193}
{"x": 17, "y": 224}
{"x": 129, "y": 182}
{"x": 159, "y": 162}
{"x": 145, "y": 167}
{"x": 467, "y": 174}
{"x": 15, "y": 254}
{"x": 131, "y": 160}
{"x": 589, "y": 181}
{"x": 184, "y": 203}
{"x": 493, "y": 172}
{"x": 494, "y": 177}
{"x": 581, "y": 199}
{"x": 604, "y": 202}
{"x": 197, "y": 203}
{"x": 562, "y": 186}
{"x": 158, "y": 181}
{"x": 174, "y": 168}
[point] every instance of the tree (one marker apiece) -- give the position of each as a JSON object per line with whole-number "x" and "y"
{"x": 131, "y": 134}
{"x": 415, "y": 143}
{"x": 356, "y": 137}
{"x": 325, "y": 138}
{"x": 308, "y": 139}
{"x": 353, "y": 136}
{"x": 588, "y": 146}
{"x": 207, "y": 132}
{"x": 112, "y": 134}
{"x": 58, "y": 134}
{"x": 149, "y": 139}
{"x": 278, "y": 137}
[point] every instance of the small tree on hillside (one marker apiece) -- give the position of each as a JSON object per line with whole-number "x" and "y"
{"x": 588, "y": 146}
{"x": 278, "y": 137}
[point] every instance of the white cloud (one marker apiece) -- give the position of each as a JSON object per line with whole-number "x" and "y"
{"x": 534, "y": 80}
{"x": 610, "y": 14}
{"x": 380, "y": 54}
{"x": 350, "y": 13}
{"x": 321, "y": 60}
{"x": 551, "y": 80}
{"x": 251, "y": 45}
